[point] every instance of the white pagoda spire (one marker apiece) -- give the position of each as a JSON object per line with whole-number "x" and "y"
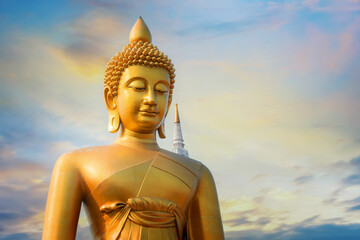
{"x": 178, "y": 141}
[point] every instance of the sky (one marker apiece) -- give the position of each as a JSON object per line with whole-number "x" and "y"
{"x": 268, "y": 94}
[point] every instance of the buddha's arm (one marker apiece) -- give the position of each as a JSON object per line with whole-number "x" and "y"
{"x": 64, "y": 201}
{"x": 204, "y": 219}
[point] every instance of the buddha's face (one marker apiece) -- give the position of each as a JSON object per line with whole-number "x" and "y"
{"x": 142, "y": 100}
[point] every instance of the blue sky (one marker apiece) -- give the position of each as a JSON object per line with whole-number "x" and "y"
{"x": 268, "y": 93}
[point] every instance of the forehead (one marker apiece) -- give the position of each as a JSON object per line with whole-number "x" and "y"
{"x": 152, "y": 75}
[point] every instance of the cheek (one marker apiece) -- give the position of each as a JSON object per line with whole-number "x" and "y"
{"x": 162, "y": 104}
{"x": 128, "y": 102}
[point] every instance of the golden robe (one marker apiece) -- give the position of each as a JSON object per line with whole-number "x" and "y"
{"x": 148, "y": 200}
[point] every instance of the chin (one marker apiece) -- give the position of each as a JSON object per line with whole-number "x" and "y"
{"x": 145, "y": 121}
{"x": 148, "y": 126}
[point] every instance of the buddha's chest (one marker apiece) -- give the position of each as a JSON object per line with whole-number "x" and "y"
{"x": 158, "y": 177}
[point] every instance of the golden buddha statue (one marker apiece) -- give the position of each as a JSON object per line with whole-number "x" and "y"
{"x": 132, "y": 189}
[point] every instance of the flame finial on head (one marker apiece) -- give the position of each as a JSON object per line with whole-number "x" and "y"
{"x": 140, "y": 31}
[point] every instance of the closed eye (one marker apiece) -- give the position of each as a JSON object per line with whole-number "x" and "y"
{"x": 161, "y": 91}
{"x": 139, "y": 88}
{"x": 161, "y": 88}
{"x": 137, "y": 85}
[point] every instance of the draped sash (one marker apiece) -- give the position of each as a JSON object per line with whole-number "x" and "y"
{"x": 145, "y": 211}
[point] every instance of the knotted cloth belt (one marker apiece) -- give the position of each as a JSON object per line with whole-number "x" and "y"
{"x": 145, "y": 211}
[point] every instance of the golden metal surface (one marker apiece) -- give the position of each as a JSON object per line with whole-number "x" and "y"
{"x": 132, "y": 189}
{"x": 140, "y": 32}
{"x": 177, "y": 118}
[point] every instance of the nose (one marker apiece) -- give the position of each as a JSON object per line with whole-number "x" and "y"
{"x": 150, "y": 98}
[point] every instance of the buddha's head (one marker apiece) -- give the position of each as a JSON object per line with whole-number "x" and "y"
{"x": 139, "y": 82}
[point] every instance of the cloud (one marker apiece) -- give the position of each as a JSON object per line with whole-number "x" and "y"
{"x": 19, "y": 174}
{"x": 354, "y": 208}
{"x": 108, "y": 4}
{"x": 246, "y": 220}
{"x": 26, "y": 206}
{"x": 303, "y": 179}
{"x": 321, "y": 52}
{"x": 354, "y": 166}
{"x": 50, "y": 93}
{"x": 250, "y": 108}
{"x": 276, "y": 203}
{"x": 355, "y": 162}
{"x": 210, "y": 30}
{"x": 23, "y": 190}
{"x": 352, "y": 179}
{"x": 318, "y": 232}
{"x": 91, "y": 40}
{"x": 327, "y": 231}
{"x": 17, "y": 236}
{"x": 354, "y": 201}
{"x": 332, "y": 6}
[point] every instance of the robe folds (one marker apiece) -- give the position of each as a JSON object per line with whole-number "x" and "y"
{"x": 145, "y": 201}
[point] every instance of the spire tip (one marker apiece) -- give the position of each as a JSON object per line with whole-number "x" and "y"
{"x": 177, "y": 117}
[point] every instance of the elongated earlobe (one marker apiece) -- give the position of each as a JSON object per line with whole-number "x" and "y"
{"x": 114, "y": 117}
{"x": 114, "y": 121}
{"x": 161, "y": 130}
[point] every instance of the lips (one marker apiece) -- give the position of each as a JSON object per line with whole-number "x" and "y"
{"x": 148, "y": 113}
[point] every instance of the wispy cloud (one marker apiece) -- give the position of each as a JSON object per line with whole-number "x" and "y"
{"x": 90, "y": 41}
{"x": 354, "y": 178}
{"x": 23, "y": 190}
{"x": 354, "y": 208}
{"x": 319, "y": 232}
{"x": 303, "y": 179}
{"x": 321, "y": 52}
{"x": 208, "y": 30}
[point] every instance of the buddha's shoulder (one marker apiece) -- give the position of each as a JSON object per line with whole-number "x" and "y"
{"x": 190, "y": 164}
{"x": 106, "y": 155}
{"x": 103, "y": 151}
{"x": 88, "y": 153}
{"x": 73, "y": 157}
